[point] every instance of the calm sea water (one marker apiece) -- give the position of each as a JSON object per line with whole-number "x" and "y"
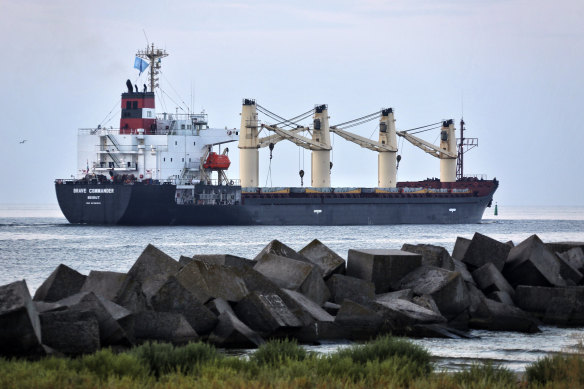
{"x": 35, "y": 239}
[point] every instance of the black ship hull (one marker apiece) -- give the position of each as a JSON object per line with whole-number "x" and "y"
{"x": 142, "y": 204}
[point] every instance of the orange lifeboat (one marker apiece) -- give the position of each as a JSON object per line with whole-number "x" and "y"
{"x": 217, "y": 161}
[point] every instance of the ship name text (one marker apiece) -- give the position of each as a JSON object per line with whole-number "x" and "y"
{"x": 93, "y": 190}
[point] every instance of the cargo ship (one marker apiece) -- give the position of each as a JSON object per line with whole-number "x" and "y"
{"x": 171, "y": 169}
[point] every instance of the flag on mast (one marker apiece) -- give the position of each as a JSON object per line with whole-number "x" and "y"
{"x": 140, "y": 64}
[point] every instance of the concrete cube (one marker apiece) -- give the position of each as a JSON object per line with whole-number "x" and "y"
{"x": 232, "y": 332}
{"x": 287, "y": 273}
{"x": 361, "y": 322}
{"x": 265, "y": 313}
{"x": 575, "y": 257}
{"x": 62, "y": 282}
{"x": 483, "y": 250}
{"x": 326, "y": 259}
{"x": 555, "y": 303}
{"x": 278, "y": 248}
{"x": 561, "y": 247}
{"x": 71, "y": 332}
{"x": 460, "y": 247}
{"x": 313, "y": 309}
{"x": 490, "y": 280}
{"x": 382, "y": 267}
{"x": 212, "y": 281}
{"x": 174, "y": 297}
{"x": 20, "y": 329}
{"x": 446, "y": 287}
{"x": 161, "y": 326}
{"x": 503, "y": 317}
{"x": 345, "y": 287}
{"x": 569, "y": 273}
{"x": 225, "y": 260}
{"x": 400, "y": 314}
{"x": 431, "y": 255}
{"x": 502, "y": 297}
{"x": 532, "y": 263}
{"x": 104, "y": 283}
{"x": 404, "y": 294}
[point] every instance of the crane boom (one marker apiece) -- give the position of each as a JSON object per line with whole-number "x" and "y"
{"x": 362, "y": 141}
{"x": 298, "y": 139}
{"x": 428, "y": 147}
{"x": 266, "y": 140}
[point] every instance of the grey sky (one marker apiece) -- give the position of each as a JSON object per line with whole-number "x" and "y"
{"x": 517, "y": 65}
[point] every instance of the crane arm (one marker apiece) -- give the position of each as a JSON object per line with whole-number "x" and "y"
{"x": 266, "y": 140}
{"x": 428, "y": 147}
{"x": 298, "y": 139}
{"x": 362, "y": 141}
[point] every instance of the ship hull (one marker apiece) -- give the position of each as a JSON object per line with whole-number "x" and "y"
{"x": 110, "y": 204}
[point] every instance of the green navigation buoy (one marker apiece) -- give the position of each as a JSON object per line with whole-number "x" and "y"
{"x": 496, "y": 210}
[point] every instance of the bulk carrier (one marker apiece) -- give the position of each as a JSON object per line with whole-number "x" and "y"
{"x": 170, "y": 168}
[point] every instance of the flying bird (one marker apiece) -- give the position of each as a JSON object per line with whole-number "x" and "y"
{"x": 22, "y": 141}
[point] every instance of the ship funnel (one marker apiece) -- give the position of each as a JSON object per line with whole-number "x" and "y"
{"x": 448, "y": 143}
{"x": 386, "y": 160}
{"x": 248, "y": 145}
{"x": 320, "y": 176}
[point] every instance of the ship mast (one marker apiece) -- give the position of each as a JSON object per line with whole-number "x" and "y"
{"x": 154, "y": 56}
{"x": 464, "y": 144}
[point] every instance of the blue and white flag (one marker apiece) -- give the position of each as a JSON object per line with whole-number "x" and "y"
{"x": 140, "y": 64}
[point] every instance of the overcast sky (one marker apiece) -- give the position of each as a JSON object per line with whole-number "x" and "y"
{"x": 514, "y": 67}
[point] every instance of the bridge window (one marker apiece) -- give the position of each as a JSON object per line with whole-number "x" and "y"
{"x": 128, "y": 105}
{"x": 134, "y": 104}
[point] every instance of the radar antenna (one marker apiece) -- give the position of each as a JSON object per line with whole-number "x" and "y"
{"x": 154, "y": 56}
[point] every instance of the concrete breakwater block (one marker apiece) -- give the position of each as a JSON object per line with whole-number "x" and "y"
{"x": 212, "y": 281}
{"x": 502, "y": 297}
{"x": 278, "y": 248}
{"x": 145, "y": 277}
{"x": 222, "y": 259}
{"x": 496, "y": 316}
{"x": 265, "y": 313}
{"x": 400, "y": 314}
{"x": 490, "y": 280}
{"x": 71, "y": 332}
{"x": 160, "y": 326}
{"x": 232, "y": 332}
{"x": 174, "y": 297}
{"x": 532, "y": 263}
{"x": 382, "y": 267}
{"x": 360, "y": 321}
{"x": 432, "y": 255}
{"x": 20, "y": 328}
{"x": 62, "y": 282}
{"x": 483, "y": 250}
{"x": 446, "y": 287}
{"x": 563, "y": 306}
{"x": 569, "y": 273}
{"x": 575, "y": 257}
{"x": 561, "y": 247}
{"x": 460, "y": 247}
{"x": 287, "y": 273}
{"x": 326, "y": 259}
{"x": 313, "y": 309}
{"x": 104, "y": 283}
{"x": 356, "y": 289}
{"x": 404, "y": 294}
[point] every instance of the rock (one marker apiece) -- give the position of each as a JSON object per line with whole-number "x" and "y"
{"x": 575, "y": 257}
{"x": 147, "y": 275}
{"x": 110, "y": 332}
{"x": 62, "y": 282}
{"x": 287, "y": 273}
{"x": 460, "y": 248}
{"x": 503, "y": 317}
{"x": 278, "y": 248}
{"x": 360, "y": 321}
{"x": 404, "y": 294}
{"x": 20, "y": 329}
{"x": 490, "y": 280}
{"x": 345, "y": 287}
{"x": 400, "y": 314}
{"x": 225, "y": 260}
{"x": 71, "y": 332}
{"x": 265, "y": 313}
{"x": 483, "y": 250}
{"x": 537, "y": 300}
{"x": 532, "y": 263}
{"x": 382, "y": 267}
{"x": 502, "y": 297}
{"x": 326, "y": 259}
{"x": 446, "y": 287}
{"x": 104, "y": 283}
{"x": 161, "y": 326}
{"x": 569, "y": 273}
{"x": 317, "y": 313}
{"x": 232, "y": 332}
{"x": 431, "y": 255}
{"x": 212, "y": 281}
{"x": 174, "y": 297}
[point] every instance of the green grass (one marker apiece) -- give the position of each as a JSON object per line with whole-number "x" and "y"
{"x": 386, "y": 362}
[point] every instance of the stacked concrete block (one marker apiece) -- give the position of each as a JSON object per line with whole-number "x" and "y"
{"x": 326, "y": 259}
{"x": 490, "y": 280}
{"x": 62, "y": 282}
{"x": 482, "y": 250}
{"x": 104, "y": 283}
{"x": 356, "y": 289}
{"x": 432, "y": 255}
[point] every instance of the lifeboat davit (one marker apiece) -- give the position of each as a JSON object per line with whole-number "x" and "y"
{"x": 217, "y": 161}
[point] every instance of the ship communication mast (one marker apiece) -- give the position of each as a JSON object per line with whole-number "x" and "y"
{"x": 464, "y": 145}
{"x": 154, "y": 56}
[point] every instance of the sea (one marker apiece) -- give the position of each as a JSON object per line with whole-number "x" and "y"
{"x": 35, "y": 239}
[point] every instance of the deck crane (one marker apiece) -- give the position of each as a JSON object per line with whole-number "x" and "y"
{"x": 446, "y": 152}
{"x": 386, "y": 147}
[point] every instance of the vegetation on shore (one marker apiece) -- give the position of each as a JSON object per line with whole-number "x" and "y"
{"x": 386, "y": 362}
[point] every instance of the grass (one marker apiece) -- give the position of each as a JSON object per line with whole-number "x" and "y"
{"x": 386, "y": 362}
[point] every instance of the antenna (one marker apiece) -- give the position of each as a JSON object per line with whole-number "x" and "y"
{"x": 154, "y": 56}
{"x": 145, "y": 36}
